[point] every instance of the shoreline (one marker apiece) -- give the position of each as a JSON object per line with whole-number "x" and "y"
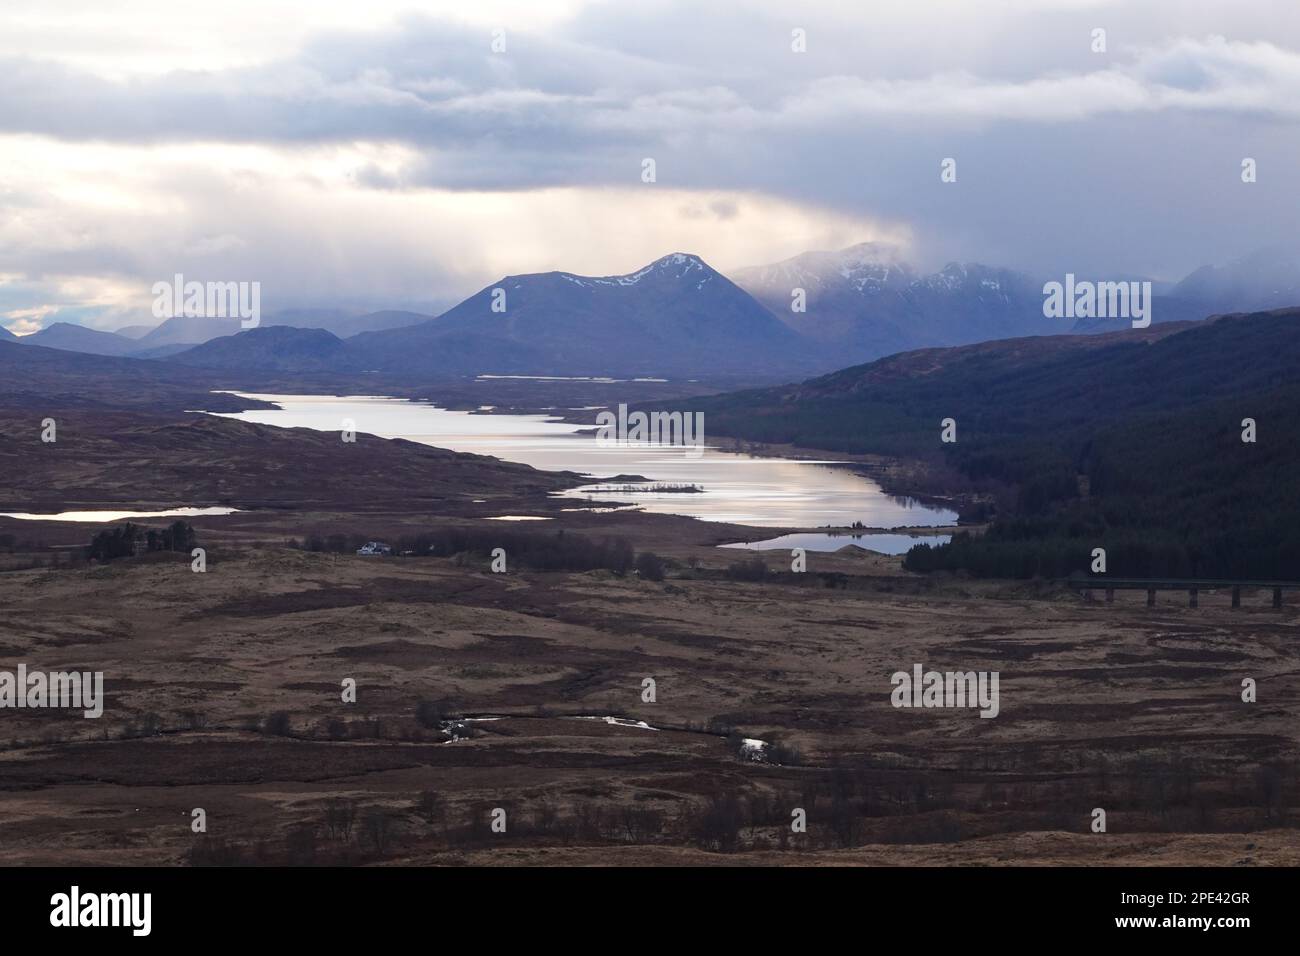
{"x": 887, "y": 472}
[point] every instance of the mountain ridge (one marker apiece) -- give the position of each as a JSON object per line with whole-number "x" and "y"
{"x": 676, "y": 317}
{"x": 78, "y": 338}
{"x": 865, "y": 301}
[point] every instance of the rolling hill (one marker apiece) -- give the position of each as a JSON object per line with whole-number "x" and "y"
{"x": 370, "y": 322}
{"x": 126, "y": 438}
{"x": 134, "y": 331}
{"x": 1131, "y": 441}
{"x": 42, "y": 379}
{"x": 279, "y": 348}
{"x": 78, "y": 338}
{"x": 343, "y": 323}
{"x": 187, "y": 330}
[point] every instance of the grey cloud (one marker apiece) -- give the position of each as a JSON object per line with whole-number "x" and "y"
{"x": 1067, "y": 160}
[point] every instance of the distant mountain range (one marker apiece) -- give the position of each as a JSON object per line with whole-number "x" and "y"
{"x": 181, "y": 333}
{"x": 678, "y": 318}
{"x": 1266, "y": 279}
{"x": 865, "y": 302}
{"x": 675, "y": 318}
{"x": 78, "y": 338}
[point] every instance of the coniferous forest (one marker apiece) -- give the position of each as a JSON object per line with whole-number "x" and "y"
{"x": 1139, "y": 444}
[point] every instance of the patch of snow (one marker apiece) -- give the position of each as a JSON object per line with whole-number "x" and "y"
{"x": 751, "y": 748}
{"x": 620, "y": 722}
{"x": 677, "y": 259}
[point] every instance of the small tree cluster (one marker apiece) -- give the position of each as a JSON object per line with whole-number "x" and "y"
{"x": 124, "y": 542}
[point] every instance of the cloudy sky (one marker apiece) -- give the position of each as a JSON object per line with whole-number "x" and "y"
{"x": 381, "y": 154}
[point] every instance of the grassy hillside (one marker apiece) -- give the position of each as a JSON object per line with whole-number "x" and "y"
{"x": 1130, "y": 442}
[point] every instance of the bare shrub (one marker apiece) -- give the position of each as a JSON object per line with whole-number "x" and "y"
{"x": 340, "y": 815}
{"x": 379, "y": 828}
{"x": 718, "y": 827}
{"x": 431, "y": 807}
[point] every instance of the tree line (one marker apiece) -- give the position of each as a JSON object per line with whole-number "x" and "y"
{"x": 1136, "y": 447}
{"x": 130, "y": 539}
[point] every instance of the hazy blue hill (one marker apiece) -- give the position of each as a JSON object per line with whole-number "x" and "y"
{"x": 162, "y": 351}
{"x": 1164, "y": 308}
{"x": 135, "y": 331}
{"x": 187, "y": 330}
{"x": 279, "y": 348}
{"x": 345, "y": 323}
{"x": 374, "y": 322}
{"x": 78, "y": 338}
{"x": 1266, "y": 279}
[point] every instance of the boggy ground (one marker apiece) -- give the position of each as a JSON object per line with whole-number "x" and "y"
{"x": 224, "y": 693}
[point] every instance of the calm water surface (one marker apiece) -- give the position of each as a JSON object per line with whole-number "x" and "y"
{"x": 98, "y": 516}
{"x": 771, "y": 492}
{"x": 883, "y": 543}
